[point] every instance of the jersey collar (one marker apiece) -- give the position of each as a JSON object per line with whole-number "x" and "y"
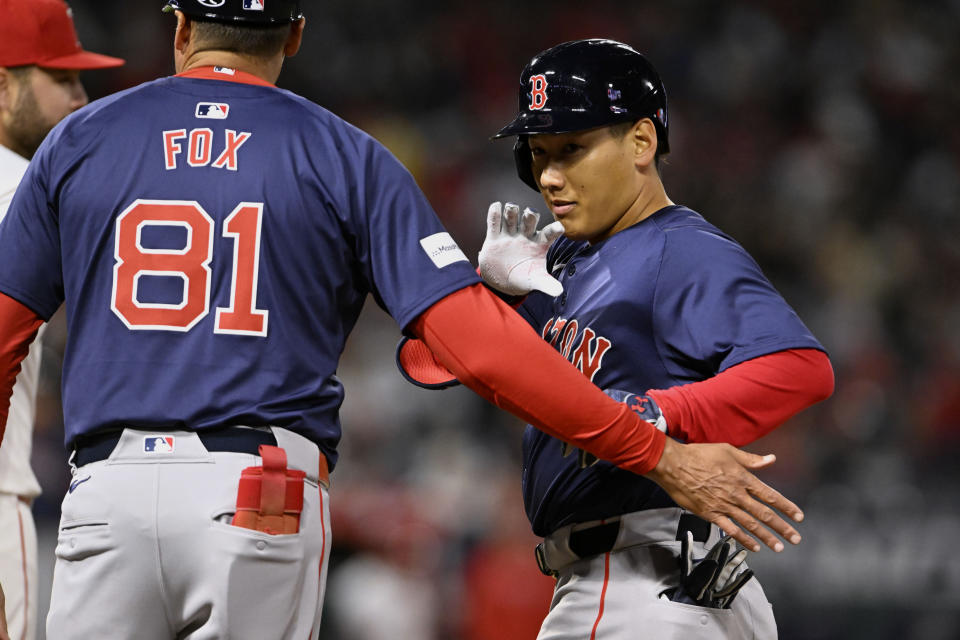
{"x": 226, "y": 74}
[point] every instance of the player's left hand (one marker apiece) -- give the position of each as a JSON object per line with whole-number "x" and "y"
{"x": 513, "y": 256}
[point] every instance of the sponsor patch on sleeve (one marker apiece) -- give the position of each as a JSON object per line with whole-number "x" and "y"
{"x": 441, "y": 248}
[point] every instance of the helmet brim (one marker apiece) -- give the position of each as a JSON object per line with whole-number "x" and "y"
{"x": 527, "y": 124}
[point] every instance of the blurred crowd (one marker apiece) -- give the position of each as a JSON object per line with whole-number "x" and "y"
{"x": 821, "y": 135}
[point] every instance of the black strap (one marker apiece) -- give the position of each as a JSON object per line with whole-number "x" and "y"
{"x": 602, "y": 538}
{"x": 699, "y": 527}
{"x": 595, "y": 540}
{"x": 99, "y": 446}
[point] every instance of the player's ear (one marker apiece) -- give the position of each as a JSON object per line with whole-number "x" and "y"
{"x": 295, "y": 38}
{"x": 181, "y": 38}
{"x": 644, "y": 138}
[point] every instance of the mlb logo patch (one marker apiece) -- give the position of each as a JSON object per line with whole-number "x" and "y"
{"x": 227, "y": 71}
{"x": 158, "y": 444}
{"x": 213, "y": 110}
{"x": 253, "y": 5}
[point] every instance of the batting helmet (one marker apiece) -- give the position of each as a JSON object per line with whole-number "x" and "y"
{"x": 249, "y": 12}
{"x": 581, "y": 85}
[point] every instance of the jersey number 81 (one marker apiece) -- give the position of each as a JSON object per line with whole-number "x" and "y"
{"x": 191, "y": 264}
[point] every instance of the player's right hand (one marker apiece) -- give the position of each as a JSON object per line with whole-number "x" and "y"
{"x": 715, "y": 482}
{"x": 513, "y": 256}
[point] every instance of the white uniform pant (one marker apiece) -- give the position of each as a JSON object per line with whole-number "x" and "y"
{"x": 615, "y": 595}
{"x": 18, "y": 566}
{"x": 145, "y": 550}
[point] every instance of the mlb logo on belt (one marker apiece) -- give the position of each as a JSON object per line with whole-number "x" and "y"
{"x": 158, "y": 444}
{"x": 253, "y": 5}
{"x": 213, "y": 110}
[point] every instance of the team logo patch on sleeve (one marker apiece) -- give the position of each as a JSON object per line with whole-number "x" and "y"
{"x": 158, "y": 444}
{"x": 441, "y": 248}
{"x": 213, "y": 110}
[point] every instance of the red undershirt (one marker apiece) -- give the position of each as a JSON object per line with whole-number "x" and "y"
{"x": 737, "y": 406}
{"x": 18, "y": 328}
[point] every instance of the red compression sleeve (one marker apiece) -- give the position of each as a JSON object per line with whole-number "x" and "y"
{"x": 18, "y": 328}
{"x": 494, "y": 352}
{"x": 747, "y": 400}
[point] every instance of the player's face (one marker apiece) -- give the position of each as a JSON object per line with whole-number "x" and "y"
{"x": 589, "y": 180}
{"x": 39, "y": 100}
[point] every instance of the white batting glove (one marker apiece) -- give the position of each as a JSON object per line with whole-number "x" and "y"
{"x": 513, "y": 256}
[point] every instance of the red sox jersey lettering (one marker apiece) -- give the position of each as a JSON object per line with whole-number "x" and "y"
{"x": 200, "y": 142}
{"x": 588, "y": 355}
{"x": 242, "y": 316}
{"x": 200, "y": 148}
{"x": 190, "y": 264}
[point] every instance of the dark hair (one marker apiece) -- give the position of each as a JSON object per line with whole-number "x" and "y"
{"x": 248, "y": 40}
{"x": 621, "y": 128}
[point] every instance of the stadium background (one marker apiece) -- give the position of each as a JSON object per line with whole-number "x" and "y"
{"x": 822, "y": 135}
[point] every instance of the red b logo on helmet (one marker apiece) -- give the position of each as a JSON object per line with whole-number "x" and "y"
{"x": 538, "y": 92}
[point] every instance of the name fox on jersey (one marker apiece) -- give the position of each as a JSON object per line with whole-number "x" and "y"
{"x": 199, "y": 144}
{"x": 587, "y": 356}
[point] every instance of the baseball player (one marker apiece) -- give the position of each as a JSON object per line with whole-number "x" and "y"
{"x": 40, "y": 63}
{"x": 213, "y": 239}
{"x": 643, "y": 295}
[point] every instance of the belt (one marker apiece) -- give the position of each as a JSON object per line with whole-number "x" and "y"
{"x": 576, "y": 542}
{"x": 99, "y": 446}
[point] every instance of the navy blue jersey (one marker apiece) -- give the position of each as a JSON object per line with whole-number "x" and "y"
{"x": 214, "y": 239}
{"x": 668, "y": 301}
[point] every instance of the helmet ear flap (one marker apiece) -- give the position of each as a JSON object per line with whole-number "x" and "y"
{"x": 524, "y": 160}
